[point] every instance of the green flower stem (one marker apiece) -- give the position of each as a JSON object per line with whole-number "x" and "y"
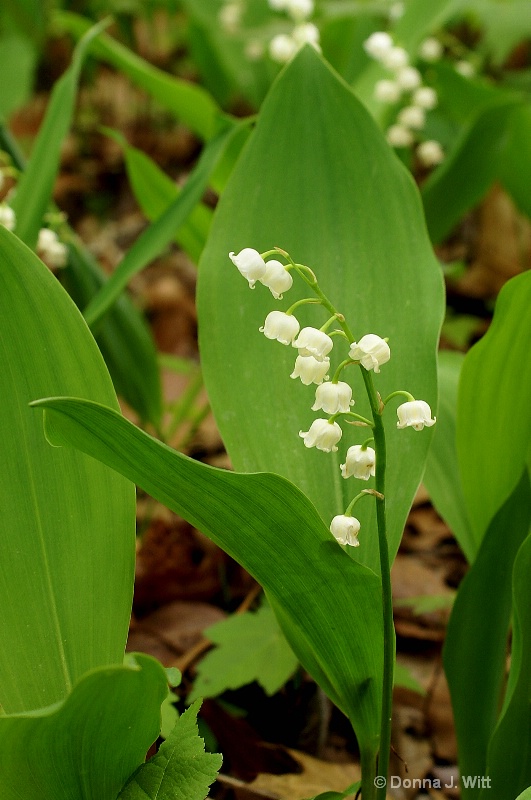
{"x": 350, "y": 414}
{"x": 340, "y": 368}
{"x": 304, "y": 302}
{"x": 182, "y": 408}
{"x": 387, "y": 603}
{"x": 399, "y": 393}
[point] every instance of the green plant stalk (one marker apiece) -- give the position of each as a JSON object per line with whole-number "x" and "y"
{"x": 387, "y": 601}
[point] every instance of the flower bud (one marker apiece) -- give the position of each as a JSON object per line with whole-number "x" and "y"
{"x": 465, "y": 68}
{"x": 378, "y": 44}
{"x": 306, "y": 33}
{"x": 408, "y": 78}
{"x": 280, "y": 326}
{"x": 333, "y": 398}
{"x": 323, "y": 435}
{"x": 359, "y": 463}
{"x": 53, "y": 252}
{"x": 299, "y": 9}
{"x": 430, "y": 153}
{"x": 282, "y": 48}
{"x": 387, "y": 91}
{"x": 310, "y": 370}
{"x": 250, "y": 264}
{"x": 277, "y": 278}
{"x": 313, "y": 342}
{"x": 345, "y": 529}
{"x": 371, "y": 351}
{"x": 395, "y": 58}
{"x": 430, "y": 49}
{"x": 425, "y": 97}
{"x": 412, "y": 117}
{"x": 7, "y": 217}
{"x": 414, "y": 414}
{"x": 399, "y": 136}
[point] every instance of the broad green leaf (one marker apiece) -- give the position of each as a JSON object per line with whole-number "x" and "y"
{"x": 266, "y": 524}
{"x": 124, "y": 338}
{"x": 250, "y": 647}
{"x": 65, "y": 518}
{"x": 155, "y": 238}
{"x": 86, "y": 747}
{"x": 476, "y": 639}
{"x": 494, "y": 407}
{"x": 332, "y": 194}
{"x": 515, "y": 168}
{"x": 29, "y": 16}
{"x": 155, "y": 191}
{"x": 35, "y": 186}
{"x": 506, "y": 24}
{"x": 465, "y": 175}
{"x": 526, "y": 794}
{"x": 181, "y": 768}
{"x": 442, "y": 478}
{"x": 509, "y": 757}
{"x": 188, "y": 102}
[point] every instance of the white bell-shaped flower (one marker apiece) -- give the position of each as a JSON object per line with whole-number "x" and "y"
{"x": 333, "y": 398}
{"x": 414, "y": 414}
{"x": 387, "y": 91}
{"x": 323, "y": 435}
{"x": 299, "y": 9}
{"x": 250, "y": 264}
{"x": 359, "y": 463}
{"x": 345, "y": 529}
{"x": 306, "y": 33}
{"x": 7, "y": 217}
{"x": 371, "y": 351}
{"x": 310, "y": 370}
{"x": 280, "y": 326}
{"x": 313, "y": 342}
{"x": 395, "y": 58}
{"x": 282, "y": 48}
{"x": 399, "y": 136}
{"x": 408, "y": 78}
{"x": 431, "y": 49}
{"x": 412, "y": 117}
{"x": 378, "y": 44}
{"x": 53, "y": 252}
{"x": 425, "y": 97}
{"x": 430, "y": 153}
{"x": 277, "y": 278}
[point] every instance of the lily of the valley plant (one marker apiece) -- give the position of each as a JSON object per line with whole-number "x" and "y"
{"x": 334, "y": 396}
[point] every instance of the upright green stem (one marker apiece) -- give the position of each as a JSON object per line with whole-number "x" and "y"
{"x": 387, "y": 602}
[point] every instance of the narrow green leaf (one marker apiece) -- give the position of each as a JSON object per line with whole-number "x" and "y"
{"x": 124, "y": 338}
{"x": 155, "y": 191}
{"x": 88, "y": 746}
{"x": 150, "y": 243}
{"x": 509, "y": 757}
{"x": 266, "y": 524}
{"x": 350, "y": 790}
{"x": 476, "y": 639}
{"x": 181, "y": 767}
{"x": 190, "y": 103}
{"x": 18, "y": 57}
{"x": 442, "y": 478}
{"x": 515, "y": 168}
{"x": 494, "y": 407}
{"x": 336, "y": 198}
{"x": 250, "y": 647}
{"x": 65, "y": 518}
{"x": 465, "y": 175}
{"x": 421, "y": 19}
{"x": 35, "y": 187}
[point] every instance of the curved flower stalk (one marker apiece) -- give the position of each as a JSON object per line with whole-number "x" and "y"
{"x": 368, "y": 353}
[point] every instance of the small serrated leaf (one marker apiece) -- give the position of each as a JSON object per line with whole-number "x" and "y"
{"x": 181, "y": 770}
{"x": 251, "y": 647}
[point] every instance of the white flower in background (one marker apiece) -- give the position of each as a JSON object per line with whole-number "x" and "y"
{"x": 277, "y": 5}
{"x": 50, "y": 249}
{"x": 250, "y": 264}
{"x": 299, "y": 9}
{"x": 465, "y": 69}
{"x": 307, "y": 33}
{"x": 371, "y": 351}
{"x": 414, "y": 414}
{"x": 323, "y": 435}
{"x": 430, "y": 153}
{"x": 396, "y": 58}
{"x": 282, "y": 48}
{"x": 345, "y": 530}
{"x": 7, "y": 217}
{"x": 387, "y": 91}
{"x": 412, "y": 117}
{"x": 280, "y": 326}
{"x": 396, "y": 11}
{"x": 408, "y": 78}
{"x": 398, "y": 136}
{"x": 333, "y": 397}
{"x": 359, "y": 463}
{"x": 230, "y": 17}
{"x": 430, "y": 49}
{"x": 313, "y": 342}
{"x": 254, "y": 50}
{"x": 425, "y": 97}
{"x": 310, "y": 370}
{"x": 277, "y": 278}
{"x": 378, "y": 44}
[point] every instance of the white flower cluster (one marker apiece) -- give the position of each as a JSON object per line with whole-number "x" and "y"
{"x": 283, "y": 47}
{"x": 53, "y": 252}
{"x": 406, "y": 84}
{"x": 312, "y": 365}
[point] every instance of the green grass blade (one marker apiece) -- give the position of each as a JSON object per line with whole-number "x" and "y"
{"x": 331, "y": 192}
{"x": 190, "y": 103}
{"x": 35, "y": 187}
{"x": 266, "y": 524}
{"x": 160, "y": 233}
{"x": 65, "y": 519}
{"x": 476, "y": 641}
{"x": 87, "y": 747}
